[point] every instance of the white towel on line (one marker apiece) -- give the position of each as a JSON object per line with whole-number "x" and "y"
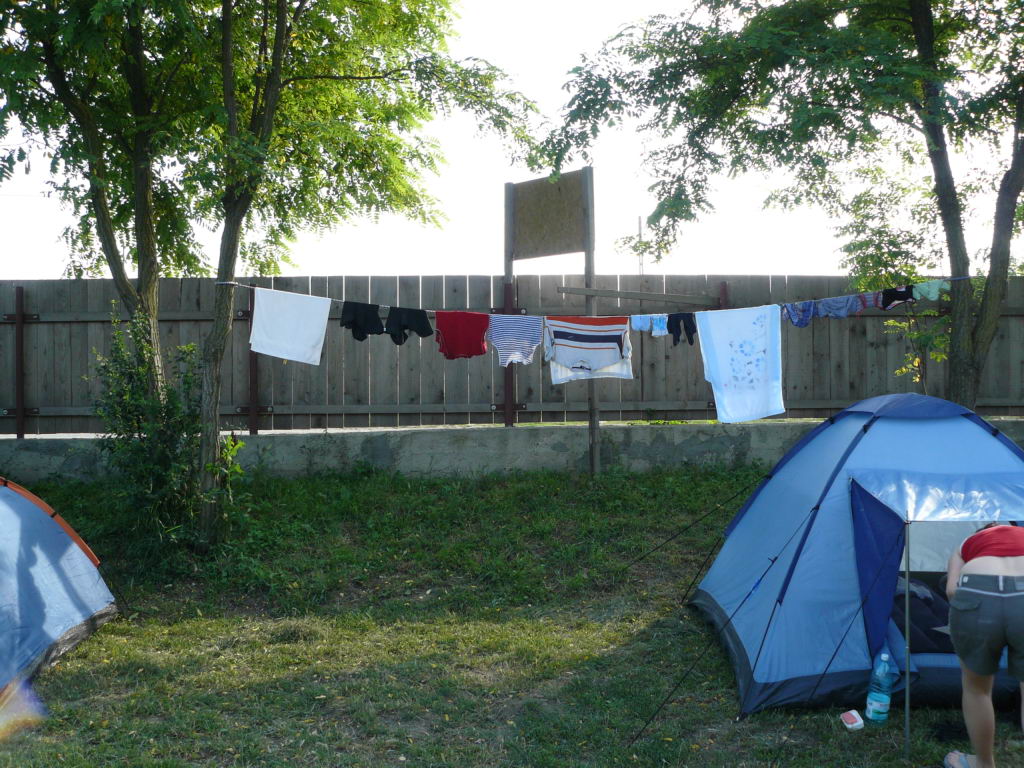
{"x": 289, "y": 325}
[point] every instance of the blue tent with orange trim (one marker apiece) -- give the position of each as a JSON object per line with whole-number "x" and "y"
{"x": 51, "y": 593}
{"x": 803, "y": 590}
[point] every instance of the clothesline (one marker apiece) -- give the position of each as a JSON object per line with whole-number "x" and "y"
{"x": 384, "y": 309}
{"x": 741, "y": 348}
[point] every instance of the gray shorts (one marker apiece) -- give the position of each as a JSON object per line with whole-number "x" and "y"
{"x": 986, "y": 615}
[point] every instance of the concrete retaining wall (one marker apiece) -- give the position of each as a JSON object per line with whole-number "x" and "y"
{"x": 456, "y": 450}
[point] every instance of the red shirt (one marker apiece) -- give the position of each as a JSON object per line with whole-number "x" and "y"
{"x": 998, "y": 541}
{"x": 461, "y": 334}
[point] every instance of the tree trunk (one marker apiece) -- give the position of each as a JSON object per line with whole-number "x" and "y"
{"x": 1010, "y": 188}
{"x": 211, "y": 521}
{"x": 134, "y": 68}
{"x": 237, "y": 201}
{"x": 963, "y": 376}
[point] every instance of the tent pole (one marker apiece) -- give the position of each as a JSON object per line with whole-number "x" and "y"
{"x": 906, "y": 649}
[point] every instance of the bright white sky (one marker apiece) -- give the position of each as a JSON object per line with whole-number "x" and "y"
{"x": 536, "y": 42}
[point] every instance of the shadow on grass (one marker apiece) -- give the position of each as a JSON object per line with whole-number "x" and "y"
{"x": 532, "y": 688}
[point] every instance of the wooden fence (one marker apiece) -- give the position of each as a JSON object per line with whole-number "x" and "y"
{"x": 827, "y": 365}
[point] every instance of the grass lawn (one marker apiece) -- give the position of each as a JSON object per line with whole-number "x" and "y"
{"x": 370, "y": 620}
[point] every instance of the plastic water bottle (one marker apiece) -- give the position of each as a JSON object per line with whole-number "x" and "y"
{"x": 879, "y": 691}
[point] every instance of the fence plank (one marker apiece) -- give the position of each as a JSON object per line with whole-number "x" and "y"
{"x": 383, "y": 357}
{"x": 34, "y": 357}
{"x": 821, "y": 337}
{"x": 301, "y": 374}
{"x": 630, "y": 389}
{"x": 456, "y": 372}
{"x": 837, "y": 366}
{"x": 169, "y": 298}
{"x": 497, "y": 372}
{"x": 999, "y": 363}
{"x": 102, "y": 297}
{"x": 1013, "y": 384}
{"x": 191, "y": 301}
{"x": 575, "y": 391}
{"x": 357, "y": 357}
{"x": 608, "y": 391}
{"x": 798, "y": 354}
{"x": 432, "y": 376}
{"x": 334, "y": 341}
{"x": 39, "y": 355}
{"x": 875, "y": 338}
{"x": 411, "y": 354}
{"x": 77, "y": 357}
{"x": 529, "y": 386}
{"x": 654, "y": 379}
{"x": 383, "y": 354}
{"x": 236, "y": 357}
{"x": 551, "y": 303}
{"x": 481, "y": 389}
{"x": 266, "y": 370}
{"x": 315, "y": 391}
{"x": 94, "y": 333}
{"x": 62, "y": 384}
{"x": 685, "y": 369}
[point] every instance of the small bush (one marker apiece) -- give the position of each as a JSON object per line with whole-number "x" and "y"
{"x": 151, "y": 438}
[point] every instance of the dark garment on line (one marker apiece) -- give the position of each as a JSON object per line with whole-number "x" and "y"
{"x": 893, "y": 297}
{"x": 401, "y": 320}
{"x": 682, "y": 322}
{"x": 363, "y": 319}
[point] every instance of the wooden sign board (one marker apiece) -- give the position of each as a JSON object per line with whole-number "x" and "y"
{"x": 549, "y": 217}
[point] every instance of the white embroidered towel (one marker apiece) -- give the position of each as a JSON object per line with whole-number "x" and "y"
{"x": 289, "y": 325}
{"x": 742, "y": 350}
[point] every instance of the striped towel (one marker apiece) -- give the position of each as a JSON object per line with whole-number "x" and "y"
{"x": 586, "y": 344}
{"x": 515, "y": 337}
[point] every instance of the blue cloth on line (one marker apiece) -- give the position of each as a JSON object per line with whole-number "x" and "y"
{"x": 838, "y": 306}
{"x": 640, "y": 322}
{"x": 799, "y": 312}
{"x": 656, "y": 324}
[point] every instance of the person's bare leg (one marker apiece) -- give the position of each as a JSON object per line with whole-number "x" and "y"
{"x": 979, "y": 716}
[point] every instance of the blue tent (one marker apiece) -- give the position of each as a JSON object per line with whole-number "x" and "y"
{"x": 803, "y": 589}
{"x": 51, "y": 592}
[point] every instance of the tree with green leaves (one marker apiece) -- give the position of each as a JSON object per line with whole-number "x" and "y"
{"x": 902, "y": 118}
{"x": 260, "y": 117}
{"x": 105, "y": 90}
{"x": 321, "y": 104}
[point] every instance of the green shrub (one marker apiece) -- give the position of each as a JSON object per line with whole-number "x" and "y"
{"x": 151, "y": 437}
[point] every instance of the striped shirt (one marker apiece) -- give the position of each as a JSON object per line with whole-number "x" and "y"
{"x": 515, "y": 337}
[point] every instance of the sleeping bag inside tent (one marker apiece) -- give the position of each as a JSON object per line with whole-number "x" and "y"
{"x": 51, "y": 592}
{"x": 809, "y": 587}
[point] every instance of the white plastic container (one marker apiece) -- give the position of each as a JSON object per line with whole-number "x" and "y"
{"x": 852, "y": 720}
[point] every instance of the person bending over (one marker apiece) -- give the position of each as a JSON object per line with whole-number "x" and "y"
{"x": 986, "y": 614}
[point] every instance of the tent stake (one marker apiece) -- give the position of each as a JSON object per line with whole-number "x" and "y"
{"x": 906, "y": 649}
